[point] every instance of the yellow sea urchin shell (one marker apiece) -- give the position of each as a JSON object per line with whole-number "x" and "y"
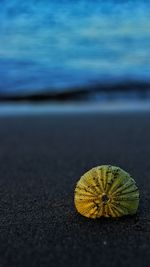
{"x": 106, "y": 191}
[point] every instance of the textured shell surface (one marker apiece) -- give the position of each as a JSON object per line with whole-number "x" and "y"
{"x": 106, "y": 191}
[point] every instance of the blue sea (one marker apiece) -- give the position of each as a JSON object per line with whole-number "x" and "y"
{"x": 56, "y": 45}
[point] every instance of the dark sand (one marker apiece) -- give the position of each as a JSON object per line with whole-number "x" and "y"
{"x": 41, "y": 159}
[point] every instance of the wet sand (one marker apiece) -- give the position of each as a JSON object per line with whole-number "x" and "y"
{"x": 41, "y": 159}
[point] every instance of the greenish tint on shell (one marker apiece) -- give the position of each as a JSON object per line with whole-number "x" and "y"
{"x": 106, "y": 191}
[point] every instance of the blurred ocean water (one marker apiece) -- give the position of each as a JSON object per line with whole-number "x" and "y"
{"x": 57, "y": 44}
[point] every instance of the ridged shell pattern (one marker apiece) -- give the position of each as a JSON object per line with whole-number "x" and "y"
{"x": 106, "y": 191}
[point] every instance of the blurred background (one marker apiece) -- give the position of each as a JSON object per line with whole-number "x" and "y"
{"x": 67, "y": 51}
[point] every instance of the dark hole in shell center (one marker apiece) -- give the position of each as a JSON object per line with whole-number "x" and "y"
{"x": 105, "y": 198}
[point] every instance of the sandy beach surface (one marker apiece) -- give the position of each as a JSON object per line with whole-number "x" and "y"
{"x": 41, "y": 159}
